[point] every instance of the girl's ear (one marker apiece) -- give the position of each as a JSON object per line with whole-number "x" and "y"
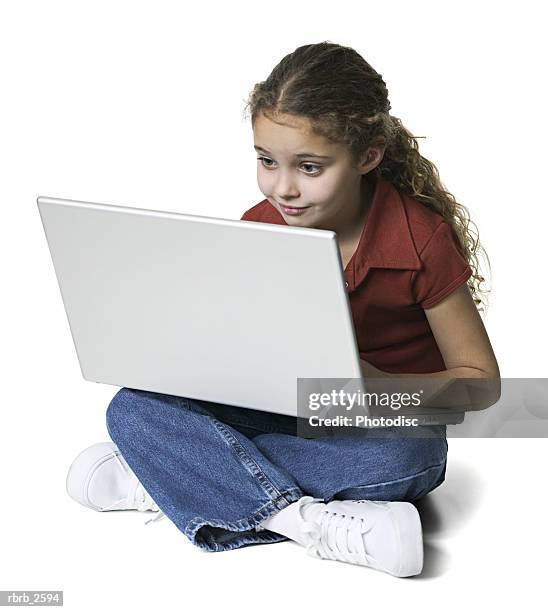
{"x": 372, "y": 157}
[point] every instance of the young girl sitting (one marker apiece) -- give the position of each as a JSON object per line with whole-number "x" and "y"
{"x": 330, "y": 156}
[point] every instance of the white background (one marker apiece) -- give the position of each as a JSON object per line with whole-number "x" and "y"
{"x": 140, "y": 103}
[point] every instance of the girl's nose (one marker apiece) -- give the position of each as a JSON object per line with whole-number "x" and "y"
{"x": 286, "y": 188}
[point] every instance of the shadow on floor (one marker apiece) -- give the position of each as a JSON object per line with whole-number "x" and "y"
{"x": 445, "y": 512}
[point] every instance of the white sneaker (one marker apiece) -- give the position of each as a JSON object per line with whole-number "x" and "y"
{"x": 99, "y": 478}
{"x": 386, "y": 536}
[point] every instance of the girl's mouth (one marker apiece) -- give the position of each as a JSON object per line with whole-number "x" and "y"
{"x": 293, "y": 210}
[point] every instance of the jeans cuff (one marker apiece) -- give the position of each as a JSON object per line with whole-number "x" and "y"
{"x": 215, "y": 535}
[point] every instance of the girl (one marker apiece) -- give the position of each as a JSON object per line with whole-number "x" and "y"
{"x": 330, "y": 156}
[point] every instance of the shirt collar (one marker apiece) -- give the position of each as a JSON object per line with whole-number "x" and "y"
{"x": 386, "y": 240}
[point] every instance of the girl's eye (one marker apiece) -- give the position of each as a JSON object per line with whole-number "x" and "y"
{"x": 312, "y": 168}
{"x": 265, "y": 159}
{"x": 315, "y": 168}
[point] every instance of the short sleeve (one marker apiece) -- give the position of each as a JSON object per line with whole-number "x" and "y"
{"x": 253, "y": 214}
{"x": 444, "y": 268}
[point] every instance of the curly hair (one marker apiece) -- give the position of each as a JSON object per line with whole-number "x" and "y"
{"x": 346, "y": 101}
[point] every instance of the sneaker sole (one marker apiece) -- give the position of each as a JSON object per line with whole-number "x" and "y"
{"x": 407, "y": 522}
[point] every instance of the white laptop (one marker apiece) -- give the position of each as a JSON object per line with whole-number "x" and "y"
{"x": 226, "y": 311}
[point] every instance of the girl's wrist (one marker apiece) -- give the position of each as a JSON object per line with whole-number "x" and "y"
{"x": 370, "y": 371}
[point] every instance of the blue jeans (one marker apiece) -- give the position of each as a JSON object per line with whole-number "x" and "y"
{"x": 217, "y": 471}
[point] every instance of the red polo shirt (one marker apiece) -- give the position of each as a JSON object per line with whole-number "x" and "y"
{"x": 408, "y": 259}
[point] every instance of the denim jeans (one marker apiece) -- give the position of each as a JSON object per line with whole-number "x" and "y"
{"x": 217, "y": 471}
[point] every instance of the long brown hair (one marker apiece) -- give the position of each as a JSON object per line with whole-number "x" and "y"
{"x": 346, "y": 101}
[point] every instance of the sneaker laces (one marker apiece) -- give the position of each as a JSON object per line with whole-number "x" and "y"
{"x": 137, "y": 497}
{"x": 335, "y": 536}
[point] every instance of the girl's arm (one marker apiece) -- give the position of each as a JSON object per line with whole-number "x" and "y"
{"x": 464, "y": 345}
{"x": 462, "y": 338}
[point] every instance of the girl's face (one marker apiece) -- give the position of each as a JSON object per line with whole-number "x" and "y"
{"x": 311, "y": 181}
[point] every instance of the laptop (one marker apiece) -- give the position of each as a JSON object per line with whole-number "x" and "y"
{"x": 233, "y": 312}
